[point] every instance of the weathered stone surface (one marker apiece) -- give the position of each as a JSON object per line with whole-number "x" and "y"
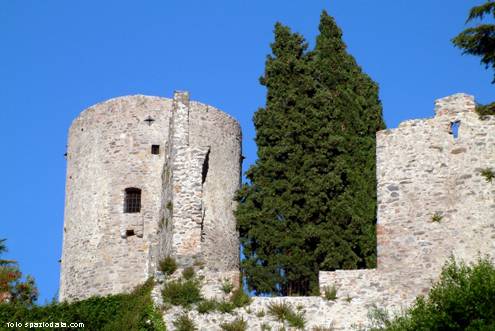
{"x": 187, "y": 192}
{"x": 422, "y": 171}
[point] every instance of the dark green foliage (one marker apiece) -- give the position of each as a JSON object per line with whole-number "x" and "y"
{"x": 206, "y": 306}
{"x": 225, "y": 307}
{"x": 488, "y": 174}
{"x": 463, "y": 299}
{"x": 437, "y": 217}
{"x": 238, "y": 324}
{"x": 239, "y": 298}
{"x": 484, "y": 110}
{"x": 167, "y": 265}
{"x": 182, "y": 292}
{"x": 310, "y": 203}
{"x": 280, "y": 310}
{"x": 479, "y": 40}
{"x": 184, "y": 323}
{"x": 188, "y": 273}
{"x": 283, "y": 312}
{"x": 132, "y": 311}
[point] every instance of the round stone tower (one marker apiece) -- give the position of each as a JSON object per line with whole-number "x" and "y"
{"x": 148, "y": 177}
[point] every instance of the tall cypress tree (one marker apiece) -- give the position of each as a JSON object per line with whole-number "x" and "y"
{"x": 310, "y": 203}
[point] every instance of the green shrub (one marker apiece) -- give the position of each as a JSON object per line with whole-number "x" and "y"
{"x": 463, "y": 299}
{"x": 227, "y": 286}
{"x": 260, "y": 313}
{"x": 182, "y": 292}
{"x": 188, "y": 273}
{"x": 279, "y": 310}
{"x": 484, "y": 110}
{"x": 296, "y": 320}
{"x": 239, "y": 298}
{"x": 168, "y": 265}
{"x": 134, "y": 312}
{"x": 237, "y": 325}
{"x": 330, "y": 292}
{"x": 488, "y": 174}
{"x": 207, "y": 306}
{"x": 282, "y": 311}
{"x": 225, "y": 307}
{"x": 184, "y": 323}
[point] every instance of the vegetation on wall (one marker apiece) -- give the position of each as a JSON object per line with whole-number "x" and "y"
{"x": 132, "y": 311}
{"x": 310, "y": 203}
{"x": 463, "y": 299}
{"x": 480, "y": 41}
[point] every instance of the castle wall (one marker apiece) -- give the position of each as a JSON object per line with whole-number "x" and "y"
{"x": 106, "y": 250}
{"x": 433, "y": 203}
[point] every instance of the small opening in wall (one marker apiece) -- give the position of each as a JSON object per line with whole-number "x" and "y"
{"x": 155, "y": 149}
{"x": 129, "y": 233}
{"x": 132, "y": 201}
{"x": 454, "y": 128}
{"x": 204, "y": 171}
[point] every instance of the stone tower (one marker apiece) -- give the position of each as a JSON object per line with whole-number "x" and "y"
{"x": 149, "y": 177}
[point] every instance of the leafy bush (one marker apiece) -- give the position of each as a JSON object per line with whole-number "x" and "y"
{"x": 188, "y": 273}
{"x": 330, "y": 292}
{"x": 167, "y": 266}
{"x": 132, "y": 311}
{"x": 238, "y": 324}
{"x": 184, "y": 323}
{"x": 182, "y": 292}
{"x": 463, "y": 299}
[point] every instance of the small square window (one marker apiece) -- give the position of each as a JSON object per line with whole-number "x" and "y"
{"x": 155, "y": 149}
{"x": 129, "y": 233}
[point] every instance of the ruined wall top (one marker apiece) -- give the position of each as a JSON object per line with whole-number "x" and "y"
{"x": 454, "y": 104}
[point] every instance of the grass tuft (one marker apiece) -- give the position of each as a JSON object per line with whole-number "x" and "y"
{"x": 238, "y": 324}
{"x": 167, "y": 266}
{"x": 184, "y": 323}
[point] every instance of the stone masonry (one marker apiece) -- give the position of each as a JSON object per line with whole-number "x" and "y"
{"x": 433, "y": 203}
{"x": 187, "y": 191}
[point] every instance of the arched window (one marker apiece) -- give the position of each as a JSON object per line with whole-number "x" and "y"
{"x": 132, "y": 202}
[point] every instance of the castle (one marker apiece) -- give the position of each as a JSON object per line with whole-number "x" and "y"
{"x": 149, "y": 177}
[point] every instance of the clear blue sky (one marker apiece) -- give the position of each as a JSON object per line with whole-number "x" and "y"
{"x": 58, "y": 57}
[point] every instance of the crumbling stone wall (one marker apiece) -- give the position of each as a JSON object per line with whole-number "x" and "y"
{"x": 433, "y": 203}
{"x": 106, "y": 250}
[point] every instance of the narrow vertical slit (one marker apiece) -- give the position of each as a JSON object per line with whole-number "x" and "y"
{"x": 454, "y": 129}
